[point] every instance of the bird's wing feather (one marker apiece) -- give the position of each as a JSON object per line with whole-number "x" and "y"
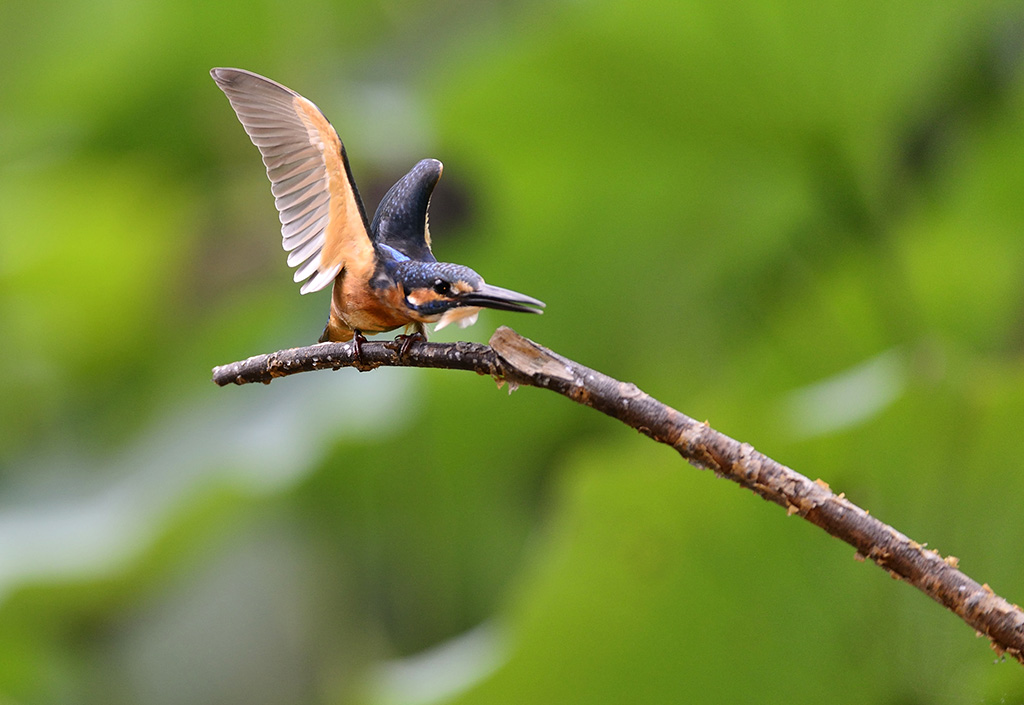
{"x": 323, "y": 225}
{"x": 401, "y": 220}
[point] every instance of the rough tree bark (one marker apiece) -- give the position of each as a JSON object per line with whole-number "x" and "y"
{"x": 514, "y": 360}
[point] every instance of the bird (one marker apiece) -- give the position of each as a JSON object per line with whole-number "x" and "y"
{"x": 384, "y": 272}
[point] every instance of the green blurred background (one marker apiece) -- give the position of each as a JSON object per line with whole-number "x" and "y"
{"x": 801, "y": 221}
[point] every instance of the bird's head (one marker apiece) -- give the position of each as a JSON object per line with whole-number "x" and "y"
{"x": 445, "y": 292}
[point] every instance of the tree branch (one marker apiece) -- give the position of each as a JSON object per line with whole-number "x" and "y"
{"x": 517, "y": 361}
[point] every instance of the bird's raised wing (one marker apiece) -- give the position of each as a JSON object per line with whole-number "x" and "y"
{"x": 322, "y": 219}
{"x": 401, "y": 220}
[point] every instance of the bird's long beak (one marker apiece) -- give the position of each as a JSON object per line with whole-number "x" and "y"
{"x": 488, "y": 296}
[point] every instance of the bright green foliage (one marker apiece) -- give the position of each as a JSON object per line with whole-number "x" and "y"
{"x": 803, "y": 222}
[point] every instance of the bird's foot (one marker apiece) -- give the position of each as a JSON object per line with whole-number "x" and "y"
{"x": 405, "y": 342}
{"x": 357, "y": 343}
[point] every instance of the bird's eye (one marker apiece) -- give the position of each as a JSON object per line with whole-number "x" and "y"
{"x": 442, "y": 287}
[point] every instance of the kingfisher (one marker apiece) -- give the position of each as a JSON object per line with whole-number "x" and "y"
{"x": 384, "y": 273}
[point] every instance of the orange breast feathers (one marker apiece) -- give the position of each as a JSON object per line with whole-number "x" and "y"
{"x": 355, "y": 305}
